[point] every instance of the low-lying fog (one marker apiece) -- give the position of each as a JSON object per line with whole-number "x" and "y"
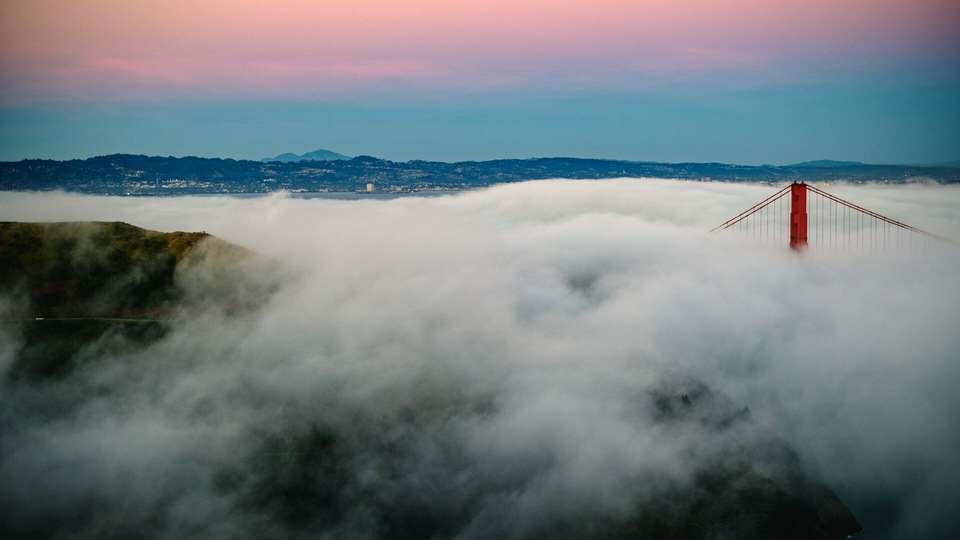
{"x": 554, "y": 302}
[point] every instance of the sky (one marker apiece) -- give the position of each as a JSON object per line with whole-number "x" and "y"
{"x": 738, "y": 81}
{"x": 487, "y": 359}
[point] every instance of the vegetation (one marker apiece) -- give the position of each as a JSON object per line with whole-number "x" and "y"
{"x": 754, "y": 489}
{"x": 69, "y": 286}
{"x": 746, "y": 483}
{"x": 89, "y": 269}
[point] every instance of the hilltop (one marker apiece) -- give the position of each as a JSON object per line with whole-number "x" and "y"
{"x": 68, "y": 285}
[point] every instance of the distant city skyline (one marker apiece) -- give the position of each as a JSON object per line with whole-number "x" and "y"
{"x": 735, "y": 81}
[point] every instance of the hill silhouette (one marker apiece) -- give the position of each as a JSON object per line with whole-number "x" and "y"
{"x": 316, "y": 155}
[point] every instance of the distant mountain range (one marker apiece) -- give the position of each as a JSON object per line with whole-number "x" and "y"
{"x": 826, "y": 163}
{"x": 123, "y": 174}
{"x": 317, "y": 155}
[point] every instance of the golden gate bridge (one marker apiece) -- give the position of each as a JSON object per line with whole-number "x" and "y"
{"x": 802, "y": 214}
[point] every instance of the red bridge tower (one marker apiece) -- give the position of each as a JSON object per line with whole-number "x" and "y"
{"x": 833, "y": 223}
{"x": 798, "y": 215}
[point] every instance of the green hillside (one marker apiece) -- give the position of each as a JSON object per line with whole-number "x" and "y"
{"x": 67, "y": 287}
{"x": 89, "y": 269}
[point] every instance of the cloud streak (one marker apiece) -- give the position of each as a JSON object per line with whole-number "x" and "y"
{"x": 620, "y": 44}
{"x": 505, "y": 341}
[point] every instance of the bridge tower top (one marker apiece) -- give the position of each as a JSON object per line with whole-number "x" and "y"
{"x": 832, "y": 222}
{"x": 798, "y": 215}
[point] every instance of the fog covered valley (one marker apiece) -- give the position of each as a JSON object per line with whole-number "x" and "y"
{"x": 540, "y": 360}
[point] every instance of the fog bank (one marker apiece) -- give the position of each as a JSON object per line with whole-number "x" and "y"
{"x": 505, "y": 342}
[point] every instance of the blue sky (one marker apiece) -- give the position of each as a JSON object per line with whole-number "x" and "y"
{"x": 746, "y": 83}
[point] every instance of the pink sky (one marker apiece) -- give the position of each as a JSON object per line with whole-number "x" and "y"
{"x": 290, "y": 48}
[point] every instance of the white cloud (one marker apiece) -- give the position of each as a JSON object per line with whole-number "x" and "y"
{"x": 554, "y": 303}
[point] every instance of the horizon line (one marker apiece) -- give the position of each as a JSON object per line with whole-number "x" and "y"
{"x": 829, "y": 163}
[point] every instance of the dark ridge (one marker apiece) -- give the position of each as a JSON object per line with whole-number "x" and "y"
{"x": 121, "y": 174}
